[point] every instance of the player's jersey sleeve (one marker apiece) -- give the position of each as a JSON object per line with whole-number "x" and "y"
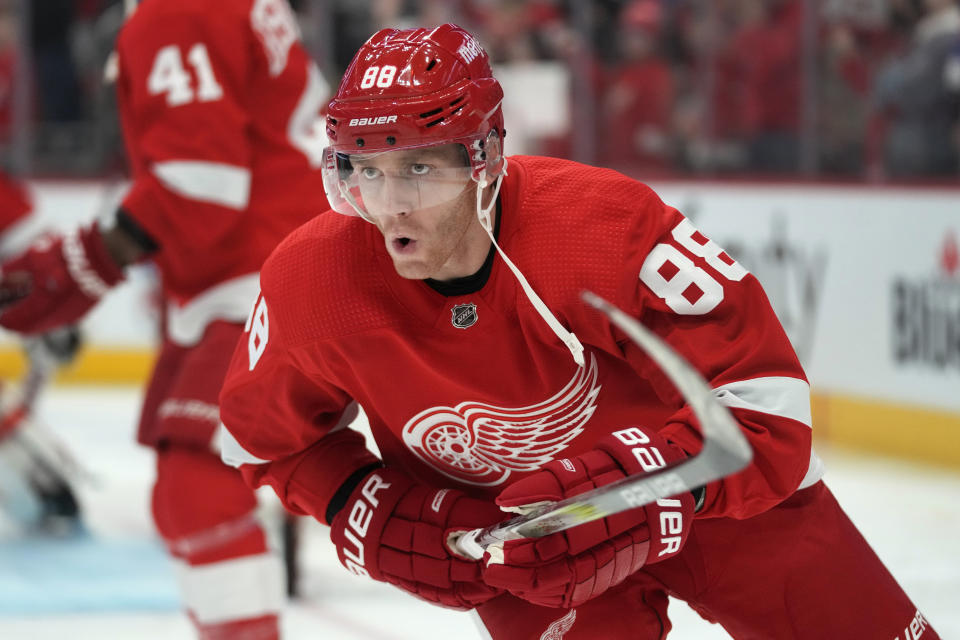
{"x": 283, "y": 427}
{"x": 707, "y": 306}
{"x": 183, "y": 105}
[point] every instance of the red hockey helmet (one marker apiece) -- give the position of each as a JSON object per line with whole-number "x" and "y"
{"x": 413, "y": 88}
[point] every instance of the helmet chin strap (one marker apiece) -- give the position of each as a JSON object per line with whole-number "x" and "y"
{"x": 484, "y": 212}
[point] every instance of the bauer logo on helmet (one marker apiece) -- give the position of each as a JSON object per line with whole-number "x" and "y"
{"x": 363, "y": 122}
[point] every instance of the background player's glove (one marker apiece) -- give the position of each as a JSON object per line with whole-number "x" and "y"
{"x": 395, "y": 530}
{"x": 56, "y": 281}
{"x": 568, "y": 568}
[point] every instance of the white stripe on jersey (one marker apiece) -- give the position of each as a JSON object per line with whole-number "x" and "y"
{"x": 777, "y": 396}
{"x": 224, "y": 184}
{"x": 229, "y": 301}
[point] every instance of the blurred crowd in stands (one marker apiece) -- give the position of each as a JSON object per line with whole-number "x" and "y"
{"x": 851, "y": 89}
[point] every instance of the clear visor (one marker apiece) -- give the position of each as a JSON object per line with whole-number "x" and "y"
{"x": 398, "y": 181}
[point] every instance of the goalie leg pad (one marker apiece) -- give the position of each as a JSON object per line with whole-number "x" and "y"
{"x": 35, "y": 488}
{"x": 19, "y": 499}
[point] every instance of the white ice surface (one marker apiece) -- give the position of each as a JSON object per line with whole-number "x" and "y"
{"x": 910, "y": 514}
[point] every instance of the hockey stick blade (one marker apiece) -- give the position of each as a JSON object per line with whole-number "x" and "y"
{"x": 725, "y": 451}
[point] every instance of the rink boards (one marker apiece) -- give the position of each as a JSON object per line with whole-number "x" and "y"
{"x": 866, "y": 281}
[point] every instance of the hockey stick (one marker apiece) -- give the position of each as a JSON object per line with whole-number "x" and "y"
{"x": 725, "y": 451}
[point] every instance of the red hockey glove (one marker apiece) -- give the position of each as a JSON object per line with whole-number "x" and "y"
{"x": 568, "y": 568}
{"x": 56, "y": 281}
{"x": 395, "y": 530}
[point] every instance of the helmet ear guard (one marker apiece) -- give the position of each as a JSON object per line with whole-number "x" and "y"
{"x": 488, "y": 152}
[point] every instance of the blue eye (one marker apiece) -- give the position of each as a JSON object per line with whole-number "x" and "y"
{"x": 419, "y": 169}
{"x": 369, "y": 173}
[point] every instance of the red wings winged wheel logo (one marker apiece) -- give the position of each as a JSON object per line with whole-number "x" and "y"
{"x": 481, "y": 444}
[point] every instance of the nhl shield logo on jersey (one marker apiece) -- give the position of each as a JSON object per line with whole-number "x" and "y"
{"x": 464, "y": 315}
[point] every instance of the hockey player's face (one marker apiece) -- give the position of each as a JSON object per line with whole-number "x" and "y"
{"x": 423, "y": 202}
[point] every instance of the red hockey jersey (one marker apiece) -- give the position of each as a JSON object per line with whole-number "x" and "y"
{"x": 475, "y": 391}
{"x": 220, "y": 106}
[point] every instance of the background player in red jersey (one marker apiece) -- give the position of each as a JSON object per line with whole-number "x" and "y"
{"x": 219, "y": 103}
{"x": 454, "y": 320}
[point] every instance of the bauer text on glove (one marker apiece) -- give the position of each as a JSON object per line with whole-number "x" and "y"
{"x": 568, "y": 568}
{"x": 398, "y": 531}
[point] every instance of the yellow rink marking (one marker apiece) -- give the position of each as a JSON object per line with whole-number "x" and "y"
{"x": 98, "y": 365}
